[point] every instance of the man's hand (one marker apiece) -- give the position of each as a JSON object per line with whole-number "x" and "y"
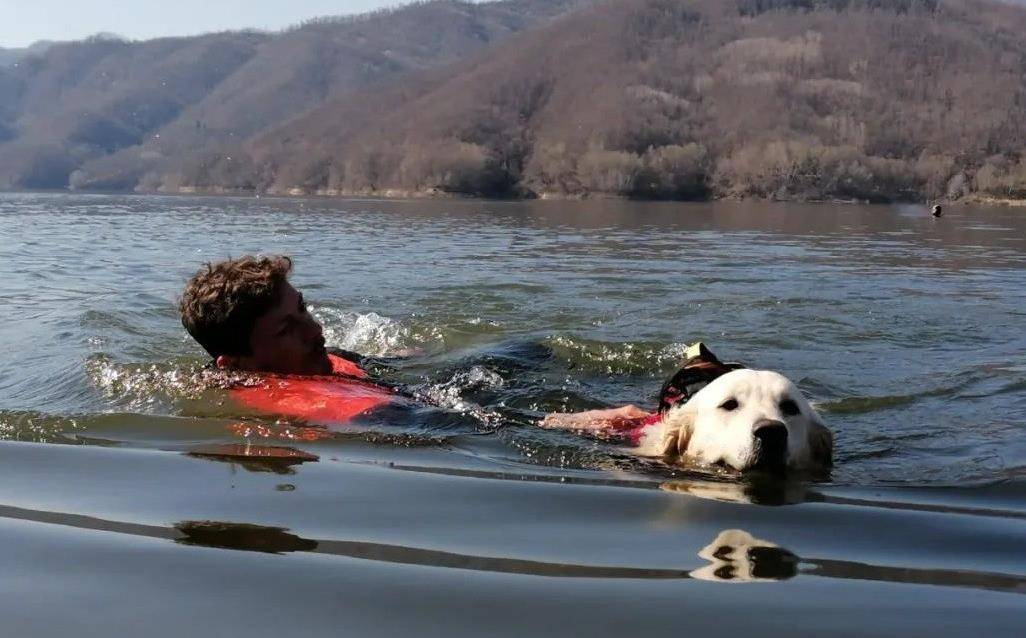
{"x": 629, "y": 416}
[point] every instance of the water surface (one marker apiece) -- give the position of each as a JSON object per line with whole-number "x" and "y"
{"x": 125, "y": 480}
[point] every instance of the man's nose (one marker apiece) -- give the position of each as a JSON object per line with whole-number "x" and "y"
{"x": 314, "y": 328}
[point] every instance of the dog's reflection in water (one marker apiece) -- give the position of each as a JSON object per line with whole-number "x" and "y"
{"x": 755, "y": 491}
{"x": 737, "y": 556}
{"x": 734, "y": 555}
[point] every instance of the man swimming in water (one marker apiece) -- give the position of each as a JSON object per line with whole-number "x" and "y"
{"x": 247, "y": 315}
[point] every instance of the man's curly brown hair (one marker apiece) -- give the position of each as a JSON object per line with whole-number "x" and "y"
{"x": 222, "y": 301}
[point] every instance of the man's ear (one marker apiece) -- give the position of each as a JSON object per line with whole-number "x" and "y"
{"x": 821, "y": 444}
{"x": 678, "y": 434}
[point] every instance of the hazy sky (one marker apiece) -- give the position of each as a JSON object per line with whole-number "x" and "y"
{"x": 25, "y": 21}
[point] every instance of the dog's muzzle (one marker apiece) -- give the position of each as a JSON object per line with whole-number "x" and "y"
{"x": 770, "y": 445}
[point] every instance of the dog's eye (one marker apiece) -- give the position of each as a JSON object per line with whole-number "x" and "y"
{"x": 729, "y": 405}
{"x": 789, "y": 407}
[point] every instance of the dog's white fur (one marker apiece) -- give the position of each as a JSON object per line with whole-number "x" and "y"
{"x": 703, "y": 430}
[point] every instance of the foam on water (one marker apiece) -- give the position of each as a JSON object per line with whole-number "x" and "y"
{"x": 450, "y": 394}
{"x": 628, "y": 357}
{"x": 369, "y": 333}
{"x": 147, "y": 387}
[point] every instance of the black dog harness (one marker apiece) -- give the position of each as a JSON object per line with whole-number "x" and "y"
{"x": 701, "y": 367}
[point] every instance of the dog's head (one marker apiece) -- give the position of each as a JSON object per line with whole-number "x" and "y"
{"x": 749, "y": 419}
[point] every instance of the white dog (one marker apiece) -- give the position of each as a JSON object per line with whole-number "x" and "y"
{"x": 744, "y": 419}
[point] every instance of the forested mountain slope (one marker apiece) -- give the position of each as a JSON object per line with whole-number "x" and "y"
{"x": 104, "y": 112}
{"x": 693, "y": 98}
{"x": 851, "y": 99}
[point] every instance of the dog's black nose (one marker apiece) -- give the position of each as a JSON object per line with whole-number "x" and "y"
{"x": 770, "y": 444}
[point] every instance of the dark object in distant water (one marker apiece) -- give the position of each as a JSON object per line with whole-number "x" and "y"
{"x": 937, "y": 211}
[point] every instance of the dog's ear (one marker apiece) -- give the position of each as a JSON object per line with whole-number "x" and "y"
{"x": 678, "y": 435}
{"x": 821, "y": 444}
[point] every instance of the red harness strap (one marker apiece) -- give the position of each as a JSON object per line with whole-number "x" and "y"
{"x": 636, "y": 431}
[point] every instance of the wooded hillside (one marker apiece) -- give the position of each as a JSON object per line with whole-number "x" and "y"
{"x": 851, "y": 99}
{"x": 104, "y": 113}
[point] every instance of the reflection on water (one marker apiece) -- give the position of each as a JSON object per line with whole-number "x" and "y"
{"x": 747, "y": 490}
{"x": 242, "y": 536}
{"x": 255, "y": 458}
{"x": 734, "y": 556}
{"x": 737, "y": 556}
{"x": 751, "y": 489}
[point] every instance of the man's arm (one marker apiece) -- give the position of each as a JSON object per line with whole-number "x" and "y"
{"x": 627, "y": 417}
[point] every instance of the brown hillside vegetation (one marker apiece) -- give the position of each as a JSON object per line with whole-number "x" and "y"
{"x": 85, "y": 99}
{"x": 103, "y": 113}
{"x": 850, "y": 99}
{"x": 854, "y": 99}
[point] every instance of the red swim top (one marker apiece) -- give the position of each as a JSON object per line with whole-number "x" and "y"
{"x": 329, "y": 399}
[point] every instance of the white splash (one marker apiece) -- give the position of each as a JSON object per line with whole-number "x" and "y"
{"x": 450, "y": 393}
{"x": 369, "y": 334}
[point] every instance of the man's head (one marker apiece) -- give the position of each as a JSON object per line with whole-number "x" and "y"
{"x": 247, "y": 316}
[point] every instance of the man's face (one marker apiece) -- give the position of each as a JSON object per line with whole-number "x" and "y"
{"x": 285, "y": 340}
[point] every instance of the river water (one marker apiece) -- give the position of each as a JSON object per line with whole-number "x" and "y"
{"x": 130, "y": 503}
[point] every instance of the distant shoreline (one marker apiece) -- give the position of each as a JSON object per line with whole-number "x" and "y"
{"x": 399, "y": 195}
{"x": 992, "y": 201}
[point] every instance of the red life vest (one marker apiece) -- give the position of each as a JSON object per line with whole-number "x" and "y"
{"x": 328, "y": 399}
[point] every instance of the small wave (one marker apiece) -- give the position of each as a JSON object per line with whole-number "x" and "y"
{"x": 397, "y": 439}
{"x": 617, "y": 358}
{"x": 451, "y": 394}
{"x": 138, "y": 385}
{"x": 569, "y": 451}
{"x": 156, "y": 387}
{"x": 861, "y": 405}
{"x": 37, "y": 427}
{"x": 308, "y": 434}
{"x": 865, "y": 404}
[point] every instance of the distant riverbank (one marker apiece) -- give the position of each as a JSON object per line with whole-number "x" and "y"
{"x": 397, "y": 194}
{"x": 440, "y": 194}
